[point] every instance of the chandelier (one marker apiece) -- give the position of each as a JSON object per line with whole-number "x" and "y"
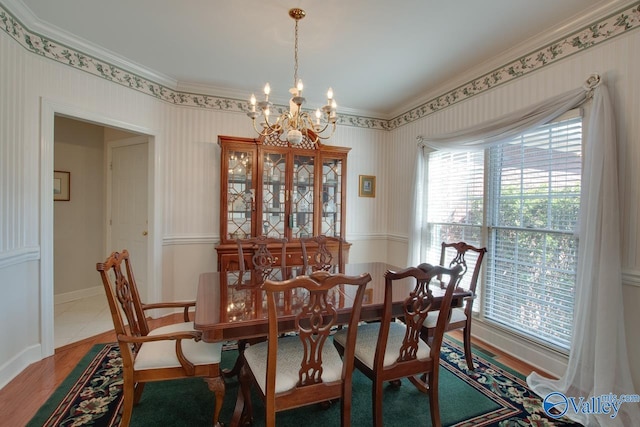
{"x": 295, "y": 123}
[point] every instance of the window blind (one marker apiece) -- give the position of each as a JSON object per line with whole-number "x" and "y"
{"x": 534, "y": 200}
{"x": 526, "y": 204}
{"x": 455, "y": 205}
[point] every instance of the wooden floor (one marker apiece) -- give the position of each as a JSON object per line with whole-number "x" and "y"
{"x": 21, "y": 398}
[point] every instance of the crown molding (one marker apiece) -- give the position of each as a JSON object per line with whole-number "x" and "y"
{"x": 576, "y": 23}
{"x": 584, "y": 31}
{"x": 37, "y": 27}
{"x": 588, "y": 35}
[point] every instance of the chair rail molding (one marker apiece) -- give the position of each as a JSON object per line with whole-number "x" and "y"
{"x": 191, "y": 239}
{"x": 631, "y": 277}
{"x": 18, "y": 256}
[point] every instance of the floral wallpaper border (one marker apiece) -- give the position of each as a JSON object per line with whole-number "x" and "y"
{"x": 603, "y": 30}
{"x": 596, "y": 33}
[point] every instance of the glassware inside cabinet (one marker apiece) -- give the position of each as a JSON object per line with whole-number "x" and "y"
{"x": 273, "y": 195}
{"x": 303, "y": 196}
{"x": 240, "y": 194}
{"x": 331, "y": 197}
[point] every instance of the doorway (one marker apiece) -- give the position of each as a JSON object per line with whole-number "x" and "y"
{"x": 106, "y": 211}
{"x": 50, "y": 113}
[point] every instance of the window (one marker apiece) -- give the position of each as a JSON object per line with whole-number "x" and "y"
{"x": 527, "y": 206}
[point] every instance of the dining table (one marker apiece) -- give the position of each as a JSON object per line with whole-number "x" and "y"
{"x": 231, "y": 305}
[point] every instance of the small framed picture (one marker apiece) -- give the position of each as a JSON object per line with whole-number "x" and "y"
{"x": 61, "y": 186}
{"x": 367, "y": 186}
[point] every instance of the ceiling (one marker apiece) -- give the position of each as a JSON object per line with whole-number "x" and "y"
{"x": 380, "y": 57}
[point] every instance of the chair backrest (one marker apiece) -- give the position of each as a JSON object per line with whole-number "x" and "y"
{"x": 261, "y": 257}
{"x": 317, "y": 254}
{"x": 417, "y": 305}
{"x": 123, "y": 297}
{"x": 322, "y": 293}
{"x": 461, "y": 250}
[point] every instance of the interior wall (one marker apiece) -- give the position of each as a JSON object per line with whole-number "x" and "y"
{"x": 186, "y": 163}
{"x": 78, "y": 223}
{"x": 618, "y": 63}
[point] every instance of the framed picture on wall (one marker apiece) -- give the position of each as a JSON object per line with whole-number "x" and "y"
{"x": 367, "y": 186}
{"x": 61, "y": 186}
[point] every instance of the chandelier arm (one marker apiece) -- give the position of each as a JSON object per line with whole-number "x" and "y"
{"x": 259, "y": 132}
{"x": 333, "y": 130}
{"x": 294, "y": 122}
{"x": 268, "y": 128}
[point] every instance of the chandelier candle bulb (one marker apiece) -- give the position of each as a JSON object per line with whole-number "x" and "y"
{"x": 267, "y": 91}
{"x": 295, "y": 125}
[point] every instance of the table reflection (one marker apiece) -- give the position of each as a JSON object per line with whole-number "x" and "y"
{"x": 245, "y": 300}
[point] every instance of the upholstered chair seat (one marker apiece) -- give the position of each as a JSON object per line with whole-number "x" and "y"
{"x": 162, "y": 354}
{"x": 290, "y": 353}
{"x": 457, "y": 315}
{"x": 368, "y": 339}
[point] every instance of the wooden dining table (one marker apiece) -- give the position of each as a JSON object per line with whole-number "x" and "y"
{"x": 230, "y": 305}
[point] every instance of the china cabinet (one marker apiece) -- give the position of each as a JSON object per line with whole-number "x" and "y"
{"x": 272, "y": 188}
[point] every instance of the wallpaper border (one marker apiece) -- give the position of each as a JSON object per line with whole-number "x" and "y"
{"x": 604, "y": 29}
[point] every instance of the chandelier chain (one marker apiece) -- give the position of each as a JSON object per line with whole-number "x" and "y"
{"x": 295, "y": 125}
{"x": 295, "y": 57}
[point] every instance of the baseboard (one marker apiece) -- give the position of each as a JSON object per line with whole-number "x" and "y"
{"x": 18, "y": 363}
{"x": 529, "y": 352}
{"x": 79, "y": 294}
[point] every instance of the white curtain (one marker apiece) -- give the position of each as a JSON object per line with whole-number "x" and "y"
{"x": 598, "y": 362}
{"x": 418, "y": 230}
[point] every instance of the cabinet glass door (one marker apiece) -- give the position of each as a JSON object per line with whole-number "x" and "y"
{"x": 273, "y": 195}
{"x": 302, "y": 207}
{"x": 240, "y": 194}
{"x": 330, "y": 219}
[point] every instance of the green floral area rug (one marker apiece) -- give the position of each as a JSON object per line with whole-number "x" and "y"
{"x": 492, "y": 395}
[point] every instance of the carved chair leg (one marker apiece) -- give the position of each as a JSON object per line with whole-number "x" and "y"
{"x": 217, "y": 386}
{"x": 127, "y": 404}
{"x": 377, "y": 390}
{"x": 433, "y": 399}
{"x": 467, "y": 347}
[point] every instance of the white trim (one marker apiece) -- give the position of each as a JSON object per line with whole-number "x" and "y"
{"x": 207, "y": 239}
{"x": 400, "y": 238}
{"x": 586, "y": 17}
{"x": 18, "y": 363}
{"x": 355, "y": 237}
{"x": 63, "y": 37}
{"x": 631, "y": 277}
{"x": 540, "y": 357}
{"x": 79, "y": 294}
{"x": 49, "y": 109}
{"x": 18, "y": 256}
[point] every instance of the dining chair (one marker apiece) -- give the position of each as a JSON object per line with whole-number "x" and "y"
{"x": 262, "y": 259}
{"x": 460, "y": 316}
{"x": 391, "y": 350}
{"x": 317, "y": 255}
{"x": 303, "y": 368}
{"x": 165, "y": 353}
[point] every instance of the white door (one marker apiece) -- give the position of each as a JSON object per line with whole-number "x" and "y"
{"x": 129, "y": 227}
